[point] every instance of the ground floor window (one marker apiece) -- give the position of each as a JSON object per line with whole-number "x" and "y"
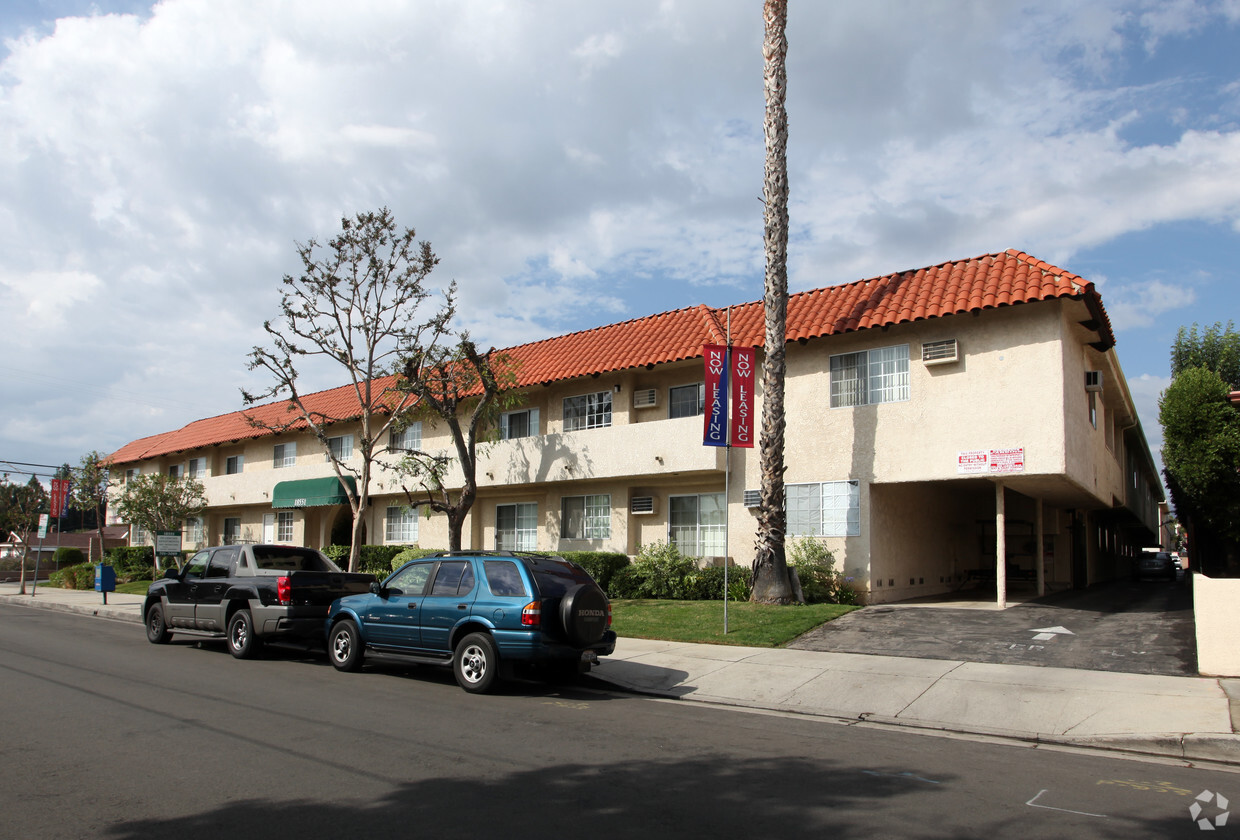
{"x": 516, "y": 527}
{"x": 195, "y": 533}
{"x": 585, "y": 517}
{"x": 696, "y": 525}
{"x": 232, "y": 530}
{"x": 284, "y": 526}
{"x": 402, "y": 525}
{"x": 824, "y": 509}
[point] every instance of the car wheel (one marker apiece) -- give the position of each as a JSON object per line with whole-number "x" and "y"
{"x": 344, "y": 646}
{"x": 476, "y": 663}
{"x": 242, "y": 643}
{"x": 583, "y": 614}
{"x": 157, "y": 632}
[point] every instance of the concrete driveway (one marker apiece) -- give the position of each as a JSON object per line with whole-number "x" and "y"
{"x": 1136, "y": 627}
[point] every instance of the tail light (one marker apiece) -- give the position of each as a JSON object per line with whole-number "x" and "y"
{"x": 284, "y": 591}
{"x": 609, "y": 614}
{"x": 531, "y": 614}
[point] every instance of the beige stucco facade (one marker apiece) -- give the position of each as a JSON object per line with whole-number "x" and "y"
{"x": 1081, "y": 502}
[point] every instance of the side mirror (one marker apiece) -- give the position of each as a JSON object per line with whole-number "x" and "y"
{"x": 172, "y": 573}
{"x": 376, "y": 588}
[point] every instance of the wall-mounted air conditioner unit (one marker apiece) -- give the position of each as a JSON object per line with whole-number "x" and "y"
{"x": 939, "y": 352}
{"x": 753, "y": 498}
{"x": 1093, "y": 380}
{"x": 641, "y": 505}
{"x": 645, "y": 398}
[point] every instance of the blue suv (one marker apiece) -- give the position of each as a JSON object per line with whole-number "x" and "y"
{"x": 477, "y": 612}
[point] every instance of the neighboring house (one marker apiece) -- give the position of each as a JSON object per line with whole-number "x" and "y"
{"x": 15, "y": 545}
{"x": 928, "y": 412}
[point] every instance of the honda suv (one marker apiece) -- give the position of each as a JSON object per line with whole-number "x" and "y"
{"x": 478, "y": 612}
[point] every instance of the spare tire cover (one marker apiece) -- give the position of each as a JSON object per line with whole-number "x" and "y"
{"x": 583, "y": 614}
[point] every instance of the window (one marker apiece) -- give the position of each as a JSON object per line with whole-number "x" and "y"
{"x": 402, "y": 525}
{"x": 696, "y": 525}
{"x": 516, "y": 527}
{"x": 341, "y": 447}
{"x": 1093, "y": 409}
{"x": 518, "y": 424}
{"x": 284, "y": 455}
{"x": 408, "y": 439}
{"x": 138, "y": 535}
{"x": 828, "y": 509}
{"x": 411, "y": 580}
{"x": 232, "y": 530}
{"x": 176, "y": 471}
{"x": 869, "y": 377}
{"x": 585, "y": 517}
{"x": 589, "y": 411}
{"x": 455, "y": 577}
{"x": 687, "y": 400}
{"x": 234, "y": 464}
{"x": 284, "y": 526}
{"x": 503, "y": 579}
{"x": 197, "y": 468}
{"x": 195, "y": 532}
{"x": 130, "y": 475}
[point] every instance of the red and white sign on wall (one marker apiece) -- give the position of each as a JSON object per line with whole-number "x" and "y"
{"x": 990, "y": 461}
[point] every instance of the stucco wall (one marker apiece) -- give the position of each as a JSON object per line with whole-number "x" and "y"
{"x": 1218, "y": 625}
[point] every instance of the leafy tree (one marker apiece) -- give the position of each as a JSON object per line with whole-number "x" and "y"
{"x": 1201, "y": 445}
{"x": 20, "y": 506}
{"x": 160, "y": 502}
{"x": 356, "y": 305}
{"x": 771, "y": 582}
{"x": 89, "y": 492}
{"x": 466, "y": 390}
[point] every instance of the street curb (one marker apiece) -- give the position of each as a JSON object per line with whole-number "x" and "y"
{"x": 120, "y": 612}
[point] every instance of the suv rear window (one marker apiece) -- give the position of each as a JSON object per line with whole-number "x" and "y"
{"x": 555, "y": 577}
{"x": 291, "y": 559}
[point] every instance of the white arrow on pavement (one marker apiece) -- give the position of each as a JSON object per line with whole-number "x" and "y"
{"x": 1045, "y": 633}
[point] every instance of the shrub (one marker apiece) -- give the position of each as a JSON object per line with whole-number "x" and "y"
{"x": 602, "y": 565}
{"x": 399, "y": 559}
{"x": 815, "y": 565}
{"x": 663, "y": 569}
{"x": 625, "y": 583}
{"x": 131, "y": 563}
{"x": 707, "y": 584}
{"x": 81, "y": 576}
{"x": 68, "y": 556}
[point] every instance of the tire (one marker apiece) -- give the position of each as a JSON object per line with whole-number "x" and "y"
{"x": 157, "y": 632}
{"x": 242, "y": 642}
{"x": 344, "y": 646}
{"x": 475, "y": 664}
{"x": 583, "y": 614}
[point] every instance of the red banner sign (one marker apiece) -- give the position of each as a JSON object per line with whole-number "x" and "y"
{"x": 60, "y": 497}
{"x": 742, "y": 385}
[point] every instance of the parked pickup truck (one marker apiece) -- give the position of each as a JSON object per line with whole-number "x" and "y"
{"x": 246, "y": 594}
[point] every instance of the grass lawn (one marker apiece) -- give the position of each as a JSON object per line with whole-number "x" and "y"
{"x": 137, "y": 587}
{"x": 753, "y": 625}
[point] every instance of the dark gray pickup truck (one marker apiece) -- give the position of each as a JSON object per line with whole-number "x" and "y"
{"x": 246, "y": 594}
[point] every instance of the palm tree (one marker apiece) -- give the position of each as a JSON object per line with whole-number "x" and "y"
{"x": 771, "y": 583}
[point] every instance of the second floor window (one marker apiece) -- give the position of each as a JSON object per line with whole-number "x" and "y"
{"x": 341, "y": 447}
{"x": 176, "y": 471}
{"x": 518, "y": 424}
{"x": 408, "y": 439}
{"x": 687, "y": 400}
{"x": 589, "y": 411}
{"x": 285, "y": 455}
{"x": 197, "y": 468}
{"x": 234, "y": 464}
{"x": 869, "y": 377}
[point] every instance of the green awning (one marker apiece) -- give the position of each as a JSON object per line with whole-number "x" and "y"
{"x": 312, "y": 492}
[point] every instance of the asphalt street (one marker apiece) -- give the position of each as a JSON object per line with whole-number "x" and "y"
{"x": 107, "y": 736}
{"x": 1136, "y": 627}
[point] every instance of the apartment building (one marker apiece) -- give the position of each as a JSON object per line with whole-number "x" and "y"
{"x": 962, "y": 422}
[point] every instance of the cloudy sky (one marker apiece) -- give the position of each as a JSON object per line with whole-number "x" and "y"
{"x": 574, "y": 164}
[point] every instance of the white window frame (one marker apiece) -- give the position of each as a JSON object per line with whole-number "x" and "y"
{"x": 505, "y": 424}
{"x": 698, "y": 538}
{"x": 870, "y": 377}
{"x": 284, "y": 526}
{"x": 701, "y": 399}
{"x": 587, "y": 411}
{"x": 400, "y": 524}
{"x": 408, "y": 439}
{"x": 238, "y": 460}
{"x": 823, "y": 508}
{"x": 341, "y": 447}
{"x": 585, "y": 517}
{"x": 176, "y": 471}
{"x": 524, "y": 533}
{"x": 195, "y": 532}
{"x": 284, "y": 455}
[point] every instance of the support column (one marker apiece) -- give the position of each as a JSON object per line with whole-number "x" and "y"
{"x": 1000, "y": 548}
{"x": 1040, "y": 554}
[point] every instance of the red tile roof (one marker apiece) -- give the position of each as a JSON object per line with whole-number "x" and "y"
{"x": 951, "y": 288}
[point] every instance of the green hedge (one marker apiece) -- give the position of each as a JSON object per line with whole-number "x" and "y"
{"x": 131, "y": 562}
{"x": 81, "y": 576}
{"x": 68, "y": 556}
{"x": 602, "y": 565}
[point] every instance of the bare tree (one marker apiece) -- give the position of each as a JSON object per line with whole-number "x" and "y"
{"x": 771, "y": 582}
{"x": 466, "y": 390}
{"x": 358, "y": 306}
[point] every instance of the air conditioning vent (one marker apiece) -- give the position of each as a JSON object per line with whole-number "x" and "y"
{"x": 1093, "y": 380}
{"x": 753, "y": 498}
{"x": 645, "y": 398}
{"x": 641, "y": 505}
{"x": 939, "y": 352}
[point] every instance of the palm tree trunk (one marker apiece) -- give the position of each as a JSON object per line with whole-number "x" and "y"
{"x": 771, "y": 583}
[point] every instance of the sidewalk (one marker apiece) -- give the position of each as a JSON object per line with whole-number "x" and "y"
{"x": 1187, "y": 718}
